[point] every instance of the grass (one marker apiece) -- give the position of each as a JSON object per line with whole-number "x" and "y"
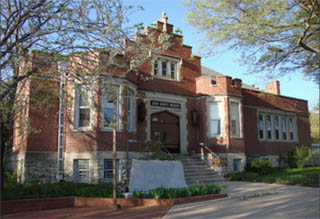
{"x": 298, "y": 176}
{"x": 163, "y": 193}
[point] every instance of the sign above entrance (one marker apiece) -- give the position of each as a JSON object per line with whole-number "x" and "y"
{"x": 165, "y": 104}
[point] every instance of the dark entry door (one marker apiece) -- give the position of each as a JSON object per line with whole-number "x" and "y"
{"x": 165, "y": 127}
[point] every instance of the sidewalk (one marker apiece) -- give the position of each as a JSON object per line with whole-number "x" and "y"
{"x": 90, "y": 212}
{"x": 255, "y": 200}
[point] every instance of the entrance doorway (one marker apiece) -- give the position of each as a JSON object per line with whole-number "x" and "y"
{"x": 165, "y": 127}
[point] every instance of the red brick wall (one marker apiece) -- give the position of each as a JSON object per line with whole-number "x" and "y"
{"x": 255, "y": 146}
{"x": 44, "y": 118}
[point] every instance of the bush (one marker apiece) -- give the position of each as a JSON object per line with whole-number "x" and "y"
{"x": 262, "y": 167}
{"x": 302, "y": 155}
{"x": 164, "y": 193}
{"x": 28, "y": 190}
{"x": 157, "y": 151}
{"x": 244, "y": 176}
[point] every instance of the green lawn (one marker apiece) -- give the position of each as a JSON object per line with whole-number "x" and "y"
{"x": 298, "y": 176}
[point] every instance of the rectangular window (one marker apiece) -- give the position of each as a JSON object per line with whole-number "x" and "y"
{"x": 81, "y": 171}
{"x": 83, "y": 109}
{"x": 284, "y": 128}
{"x": 236, "y": 165}
{"x": 166, "y": 68}
{"x": 108, "y": 170}
{"x": 291, "y": 128}
{"x": 109, "y": 95}
{"x": 234, "y": 118}
{"x": 277, "y": 127}
{"x": 261, "y": 125}
{"x": 215, "y": 118}
{"x": 131, "y": 111}
{"x": 269, "y": 127}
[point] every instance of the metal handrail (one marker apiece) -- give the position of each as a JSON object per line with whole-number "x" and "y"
{"x": 208, "y": 149}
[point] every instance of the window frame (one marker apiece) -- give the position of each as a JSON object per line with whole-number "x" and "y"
{"x": 267, "y": 127}
{"x": 263, "y": 126}
{"x": 78, "y": 107}
{"x": 104, "y": 95}
{"x": 76, "y": 170}
{"x": 284, "y": 126}
{"x": 157, "y": 68}
{"x": 219, "y": 107}
{"x": 238, "y": 127}
{"x": 131, "y": 115}
{"x": 107, "y": 179}
{"x": 277, "y": 129}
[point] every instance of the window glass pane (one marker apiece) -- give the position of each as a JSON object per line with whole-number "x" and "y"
{"x": 164, "y": 68}
{"x": 291, "y": 128}
{"x": 108, "y": 170}
{"x": 269, "y": 126}
{"x": 81, "y": 170}
{"x": 261, "y": 126}
{"x": 131, "y": 111}
{"x": 84, "y": 117}
{"x": 284, "y": 128}
{"x": 277, "y": 127}
{"x": 234, "y": 117}
{"x": 107, "y": 109}
{"x": 173, "y": 69}
{"x": 156, "y": 67}
{"x": 83, "y": 96}
{"x": 215, "y": 128}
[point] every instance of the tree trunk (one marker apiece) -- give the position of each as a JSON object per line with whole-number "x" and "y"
{"x": 114, "y": 153}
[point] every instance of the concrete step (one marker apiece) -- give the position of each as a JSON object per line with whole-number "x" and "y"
{"x": 210, "y": 181}
{"x": 202, "y": 173}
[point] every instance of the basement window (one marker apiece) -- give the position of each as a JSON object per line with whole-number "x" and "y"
{"x": 108, "y": 170}
{"x": 81, "y": 171}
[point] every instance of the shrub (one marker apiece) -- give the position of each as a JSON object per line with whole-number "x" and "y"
{"x": 158, "y": 152}
{"x": 262, "y": 167}
{"x": 164, "y": 193}
{"x": 302, "y": 155}
{"x": 28, "y": 190}
{"x": 244, "y": 176}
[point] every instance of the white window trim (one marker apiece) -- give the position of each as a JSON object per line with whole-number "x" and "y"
{"x": 76, "y": 171}
{"x": 110, "y": 180}
{"x": 118, "y": 123}
{"x": 280, "y": 114}
{"x": 266, "y": 128}
{"x": 263, "y": 126}
{"x": 239, "y": 117}
{"x": 177, "y": 72}
{"x": 77, "y": 107}
{"x": 133, "y": 116}
{"x": 221, "y": 115}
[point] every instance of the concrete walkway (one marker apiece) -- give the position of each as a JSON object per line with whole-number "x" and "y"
{"x": 255, "y": 200}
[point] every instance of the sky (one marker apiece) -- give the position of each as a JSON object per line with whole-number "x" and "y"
{"x": 295, "y": 85}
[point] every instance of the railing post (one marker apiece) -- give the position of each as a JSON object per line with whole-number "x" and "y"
{"x": 202, "y": 150}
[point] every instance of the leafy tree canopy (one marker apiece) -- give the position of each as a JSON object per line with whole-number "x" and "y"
{"x": 275, "y": 36}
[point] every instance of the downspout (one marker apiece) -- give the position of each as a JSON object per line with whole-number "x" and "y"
{"x": 62, "y": 69}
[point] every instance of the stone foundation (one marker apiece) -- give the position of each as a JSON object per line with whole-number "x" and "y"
{"x": 34, "y": 166}
{"x": 226, "y": 163}
{"x": 96, "y": 164}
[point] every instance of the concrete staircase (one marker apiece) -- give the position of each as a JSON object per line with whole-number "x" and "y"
{"x": 197, "y": 171}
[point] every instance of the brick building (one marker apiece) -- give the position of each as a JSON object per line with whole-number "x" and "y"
{"x": 186, "y": 104}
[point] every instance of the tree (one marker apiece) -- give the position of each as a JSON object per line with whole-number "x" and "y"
{"x": 315, "y": 123}
{"x": 275, "y": 36}
{"x": 64, "y": 31}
